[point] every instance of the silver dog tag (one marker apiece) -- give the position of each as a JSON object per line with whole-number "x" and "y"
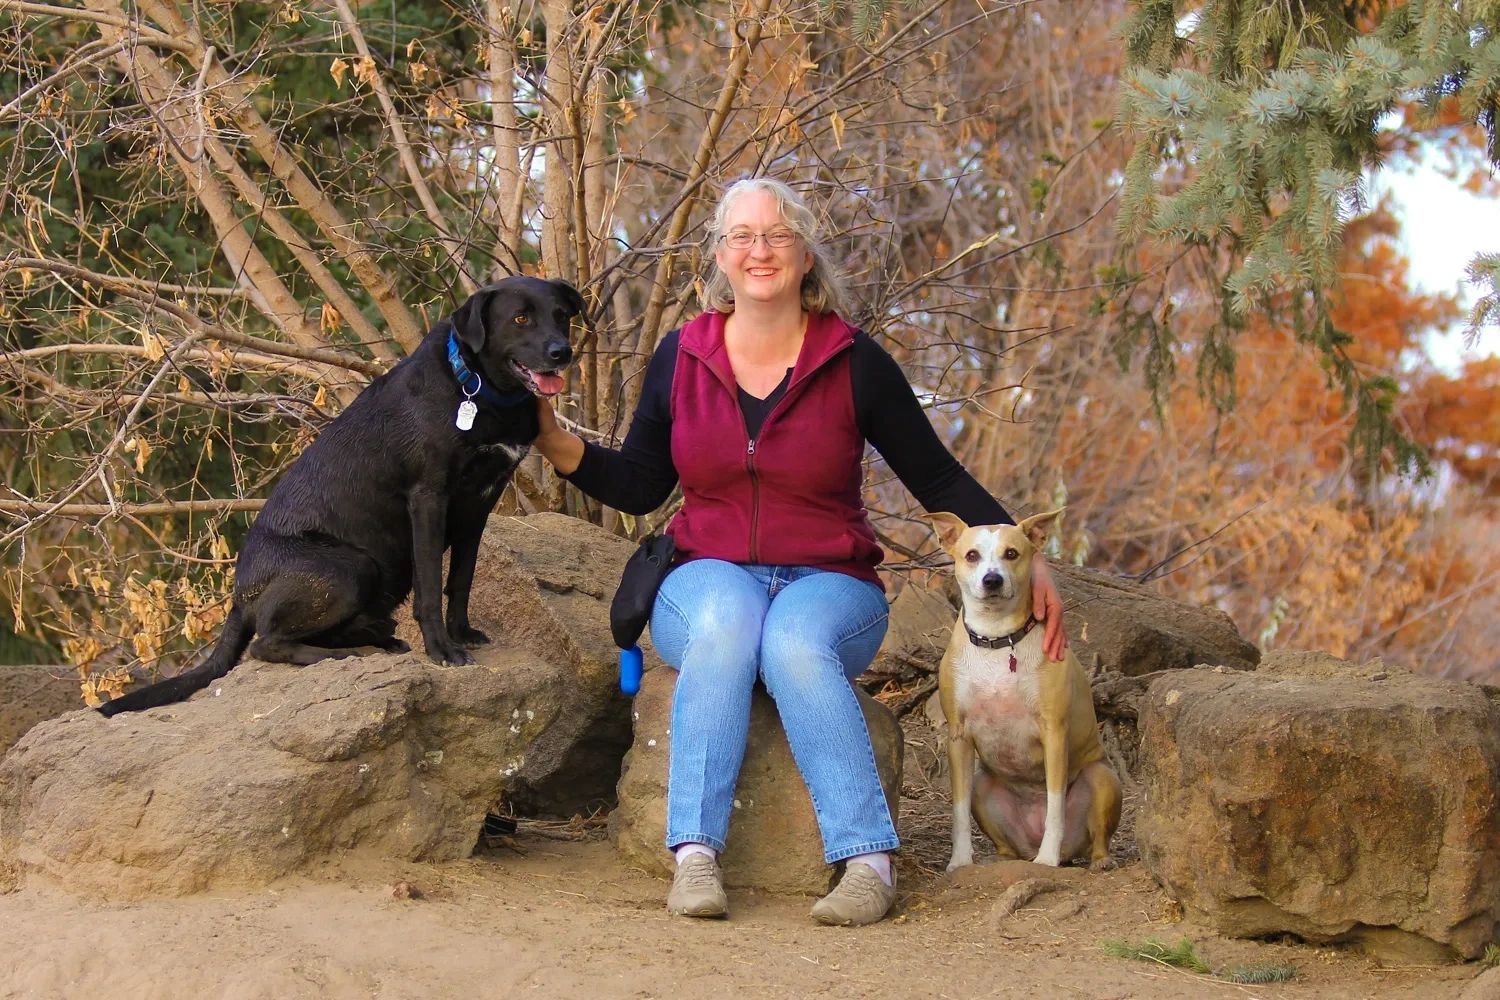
{"x": 467, "y": 411}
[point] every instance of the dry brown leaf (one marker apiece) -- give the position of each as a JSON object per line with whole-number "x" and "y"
{"x": 364, "y": 71}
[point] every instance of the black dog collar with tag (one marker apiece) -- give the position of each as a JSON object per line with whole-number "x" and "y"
{"x": 473, "y": 386}
{"x": 999, "y": 641}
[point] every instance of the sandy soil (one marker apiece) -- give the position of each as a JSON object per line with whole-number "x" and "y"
{"x": 553, "y": 912}
{"x": 566, "y": 919}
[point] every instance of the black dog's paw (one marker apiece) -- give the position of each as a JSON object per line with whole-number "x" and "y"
{"x": 448, "y": 653}
{"x": 395, "y": 646}
{"x": 469, "y": 636}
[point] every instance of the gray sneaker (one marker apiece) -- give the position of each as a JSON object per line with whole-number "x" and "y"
{"x": 698, "y": 888}
{"x": 860, "y": 898}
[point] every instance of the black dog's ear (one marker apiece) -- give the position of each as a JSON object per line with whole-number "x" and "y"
{"x": 468, "y": 320}
{"x": 570, "y": 296}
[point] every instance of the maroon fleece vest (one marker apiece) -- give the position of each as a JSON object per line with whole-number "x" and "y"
{"x": 793, "y": 495}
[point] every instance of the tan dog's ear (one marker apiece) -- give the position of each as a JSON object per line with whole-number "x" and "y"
{"x": 1037, "y": 527}
{"x": 948, "y": 528}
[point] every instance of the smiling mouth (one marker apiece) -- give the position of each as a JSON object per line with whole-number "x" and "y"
{"x": 1003, "y": 593}
{"x": 540, "y": 383}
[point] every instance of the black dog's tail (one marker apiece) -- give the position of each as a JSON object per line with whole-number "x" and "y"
{"x": 232, "y": 642}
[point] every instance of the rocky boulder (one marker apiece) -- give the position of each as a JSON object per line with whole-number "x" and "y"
{"x": 272, "y": 768}
{"x": 773, "y": 839}
{"x": 1333, "y": 802}
{"x": 1117, "y": 624}
{"x": 543, "y": 584}
{"x": 276, "y": 766}
{"x": 1486, "y": 986}
{"x": 30, "y": 694}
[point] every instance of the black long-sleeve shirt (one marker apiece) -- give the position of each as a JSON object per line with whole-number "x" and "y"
{"x": 640, "y": 476}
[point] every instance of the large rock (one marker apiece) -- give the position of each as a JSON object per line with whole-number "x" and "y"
{"x": 1333, "y": 802}
{"x": 276, "y": 766}
{"x": 1115, "y": 624}
{"x": 1486, "y": 986}
{"x": 773, "y": 839}
{"x": 544, "y": 584}
{"x": 30, "y": 694}
{"x": 271, "y": 768}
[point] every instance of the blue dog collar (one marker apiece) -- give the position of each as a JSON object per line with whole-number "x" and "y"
{"x": 473, "y": 386}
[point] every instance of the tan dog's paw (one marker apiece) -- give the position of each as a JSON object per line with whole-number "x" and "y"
{"x": 1103, "y": 865}
{"x": 956, "y": 862}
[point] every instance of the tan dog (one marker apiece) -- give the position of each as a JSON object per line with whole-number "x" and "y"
{"x": 1042, "y": 790}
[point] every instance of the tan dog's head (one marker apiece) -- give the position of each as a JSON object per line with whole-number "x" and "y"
{"x": 993, "y": 561}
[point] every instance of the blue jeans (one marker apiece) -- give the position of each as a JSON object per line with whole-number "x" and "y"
{"x": 807, "y": 633}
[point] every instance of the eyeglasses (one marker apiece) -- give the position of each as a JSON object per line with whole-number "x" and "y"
{"x": 743, "y": 239}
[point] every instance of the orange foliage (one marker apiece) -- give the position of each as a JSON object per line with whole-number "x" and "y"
{"x": 1377, "y": 305}
{"x": 1261, "y": 513}
{"x": 1459, "y": 420}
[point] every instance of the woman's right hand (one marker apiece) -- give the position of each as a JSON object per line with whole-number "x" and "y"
{"x": 561, "y": 447}
{"x": 546, "y": 419}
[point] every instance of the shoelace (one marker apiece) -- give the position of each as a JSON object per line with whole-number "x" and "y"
{"x": 862, "y": 886}
{"x": 698, "y": 874}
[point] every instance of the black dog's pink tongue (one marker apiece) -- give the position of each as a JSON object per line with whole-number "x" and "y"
{"x": 548, "y": 384}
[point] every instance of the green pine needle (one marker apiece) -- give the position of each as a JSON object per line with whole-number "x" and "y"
{"x": 1181, "y": 955}
{"x": 1261, "y": 974}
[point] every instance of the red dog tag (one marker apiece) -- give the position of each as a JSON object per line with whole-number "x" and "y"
{"x": 1012, "y": 662}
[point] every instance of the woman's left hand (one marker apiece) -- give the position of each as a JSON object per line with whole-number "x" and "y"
{"x": 1046, "y": 607}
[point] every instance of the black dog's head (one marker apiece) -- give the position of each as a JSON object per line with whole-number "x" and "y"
{"x": 518, "y": 330}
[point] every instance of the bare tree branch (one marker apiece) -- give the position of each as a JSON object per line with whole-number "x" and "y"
{"x": 140, "y": 293}
{"x": 454, "y": 246}
{"x": 26, "y": 507}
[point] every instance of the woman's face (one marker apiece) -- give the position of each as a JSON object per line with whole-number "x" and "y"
{"x": 761, "y": 272}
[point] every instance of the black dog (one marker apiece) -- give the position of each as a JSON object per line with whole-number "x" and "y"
{"x": 412, "y": 467}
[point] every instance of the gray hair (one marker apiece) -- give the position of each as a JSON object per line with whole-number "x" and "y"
{"x": 822, "y": 286}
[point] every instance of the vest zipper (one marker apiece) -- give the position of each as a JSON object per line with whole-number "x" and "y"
{"x": 750, "y": 467}
{"x": 754, "y": 501}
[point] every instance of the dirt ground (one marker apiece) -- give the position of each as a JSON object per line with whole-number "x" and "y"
{"x": 565, "y": 919}
{"x": 553, "y": 912}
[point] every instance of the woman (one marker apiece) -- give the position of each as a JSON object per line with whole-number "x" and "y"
{"x": 762, "y": 406}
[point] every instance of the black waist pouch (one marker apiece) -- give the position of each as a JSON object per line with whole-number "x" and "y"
{"x": 644, "y": 572}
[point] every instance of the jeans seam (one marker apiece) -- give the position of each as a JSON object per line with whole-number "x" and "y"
{"x": 883, "y": 616}
{"x": 885, "y": 806}
{"x": 671, "y": 606}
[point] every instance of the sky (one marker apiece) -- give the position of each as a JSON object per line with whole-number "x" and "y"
{"x": 1443, "y": 227}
